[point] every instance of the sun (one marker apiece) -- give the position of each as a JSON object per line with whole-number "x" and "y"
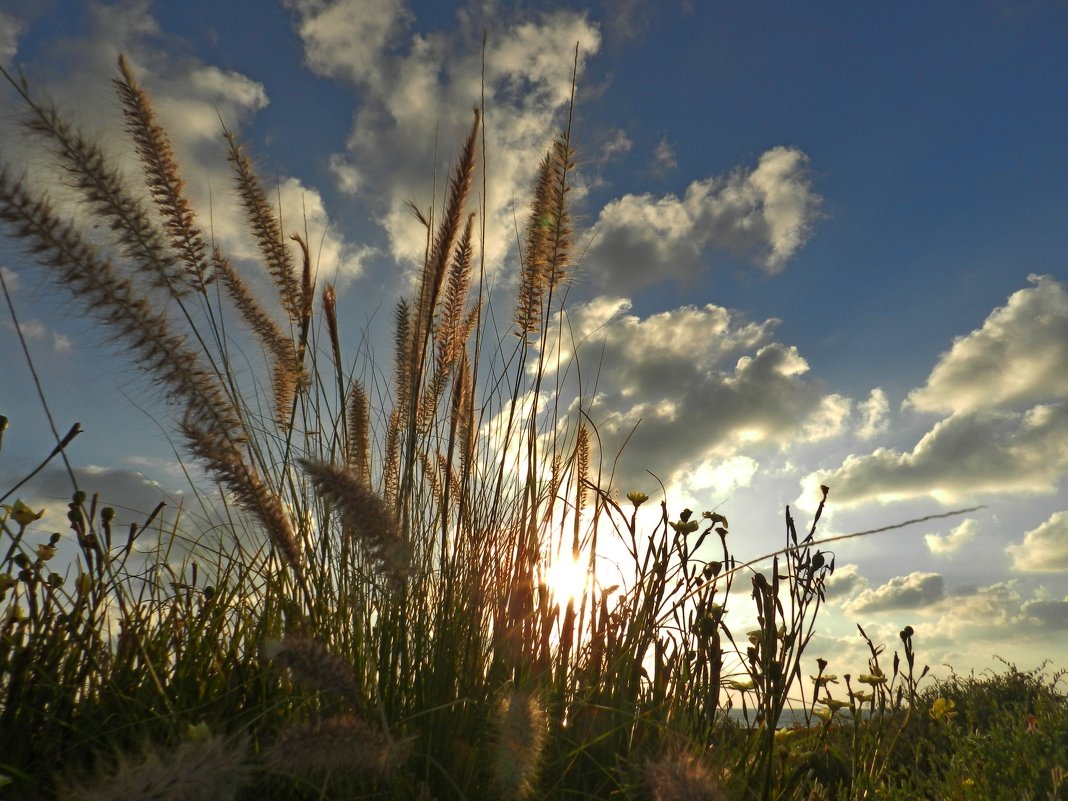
{"x": 566, "y": 578}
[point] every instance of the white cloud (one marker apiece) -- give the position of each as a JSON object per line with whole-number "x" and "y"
{"x": 36, "y": 331}
{"x": 664, "y": 157}
{"x": 764, "y": 214}
{"x": 845, "y": 582}
{"x": 617, "y": 145}
{"x": 1044, "y": 549}
{"x": 1046, "y": 613}
{"x": 347, "y": 39}
{"x": 873, "y": 414}
{"x": 914, "y": 591}
{"x": 954, "y": 540}
{"x": 1019, "y": 356}
{"x": 10, "y": 30}
{"x": 962, "y": 456}
{"x": 417, "y": 92}
{"x": 698, "y": 388}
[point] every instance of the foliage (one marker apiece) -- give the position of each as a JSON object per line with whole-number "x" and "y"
{"x": 376, "y": 617}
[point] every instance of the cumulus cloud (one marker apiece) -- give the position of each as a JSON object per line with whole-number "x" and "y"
{"x": 963, "y": 455}
{"x": 764, "y": 214}
{"x": 416, "y": 96}
{"x": 348, "y": 39}
{"x": 1000, "y": 611}
{"x": 845, "y": 582}
{"x": 10, "y": 30}
{"x": 1044, "y": 549}
{"x": 1046, "y": 613}
{"x": 698, "y": 392}
{"x": 914, "y": 591}
{"x": 1019, "y": 356}
{"x": 873, "y": 414}
{"x": 954, "y": 540}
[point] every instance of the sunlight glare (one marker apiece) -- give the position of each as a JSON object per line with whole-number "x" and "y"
{"x": 566, "y": 578}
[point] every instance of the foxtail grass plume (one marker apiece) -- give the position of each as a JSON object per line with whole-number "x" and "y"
{"x": 363, "y": 514}
{"x": 341, "y": 747}
{"x": 211, "y": 769}
{"x": 522, "y": 728}
{"x": 311, "y": 664}
{"x": 682, "y": 778}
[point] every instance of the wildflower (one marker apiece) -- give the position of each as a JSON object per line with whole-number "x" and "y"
{"x": 46, "y": 552}
{"x": 824, "y": 680}
{"x": 23, "y": 514}
{"x": 715, "y": 518}
{"x": 823, "y": 713}
{"x": 834, "y": 704}
{"x": 740, "y": 686}
{"x": 7, "y": 581}
{"x": 943, "y": 708}
{"x": 872, "y": 678}
{"x": 860, "y": 696}
{"x": 755, "y": 636}
{"x": 198, "y": 732}
{"x": 685, "y": 526}
{"x": 637, "y": 498}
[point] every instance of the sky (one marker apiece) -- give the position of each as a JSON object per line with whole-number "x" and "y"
{"x": 821, "y": 243}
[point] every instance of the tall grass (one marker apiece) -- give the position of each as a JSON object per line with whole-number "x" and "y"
{"x": 377, "y": 620}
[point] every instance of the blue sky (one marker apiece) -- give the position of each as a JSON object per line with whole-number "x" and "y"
{"x": 824, "y": 243}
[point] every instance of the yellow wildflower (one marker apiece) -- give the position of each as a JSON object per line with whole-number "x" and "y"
{"x": 741, "y": 686}
{"x": 637, "y": 498}
{"x": 23, "y": 514}
{"x": 46, "y": 552}
{"x": 824, "y": 680}
{"x": 943, "y": 708}
{"x": 834, "y": 704}
{"x": 872, "y": 678}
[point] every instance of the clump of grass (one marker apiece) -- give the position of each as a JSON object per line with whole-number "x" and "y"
{"x": 375, "y": 617}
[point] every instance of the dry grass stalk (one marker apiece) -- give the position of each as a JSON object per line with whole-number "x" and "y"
{"x": 103, "y": 189}
{"x": 359, "y": 431}
{"x": 363, "y": 513}
{"x": 547, "y": 239}
{"x": 449, "y": 229}
{"x": 268, "y": 232}
{"x": 288, "y": 374}
{"x": 340, "y": 747}
{"x": 682, "y": 778}
{"x": 212, "y": 425}
{"x": 207, "y": 770}
{"x": 129, "y": 315}
{"x": 311, "y": 664}
{"x": 157, "y": 158}
{"x": 522, "y": 729}
{"x": 250, "y": 492}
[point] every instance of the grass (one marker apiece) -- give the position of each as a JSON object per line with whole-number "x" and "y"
{"x": 375, "y": 619}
